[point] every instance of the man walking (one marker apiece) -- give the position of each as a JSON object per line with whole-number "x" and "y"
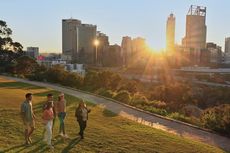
{"x": 28, "y": 118}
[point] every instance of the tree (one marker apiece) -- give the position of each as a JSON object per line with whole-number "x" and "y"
{"x": 9, "y": 50}
{"x": 26, "y": 65}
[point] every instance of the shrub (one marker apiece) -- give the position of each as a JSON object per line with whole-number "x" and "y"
{"x": 158, "y": 104}
{"x": 139, "y": 99}
{"x": 180, "y": 117}
{"x": 72, "y": 80}
{"x": 217, "y": 118}
{"x": 123, "y": 96}
{"x": 130, "y": 86}
{"x": 159, "y": 111}
{"x": 107, "y": 93}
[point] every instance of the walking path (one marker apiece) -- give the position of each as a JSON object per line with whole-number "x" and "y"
{"x": 142, "y": 117}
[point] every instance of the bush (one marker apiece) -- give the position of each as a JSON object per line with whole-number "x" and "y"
{"x": 139, "y": 99}
{"x": 217, "y": 118}
{"x": 123, "y": 96}
{"x": 106, "y": 93}
{"x": 158, "y": 104}
{"x": 72, "y": 80}
{"x": 159, "y": 111}
{"x": 56, "y": 74}
{"x": 130, "y": 86}
{"x": 179, "y": 116}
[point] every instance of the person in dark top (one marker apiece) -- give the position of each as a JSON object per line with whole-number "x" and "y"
{"x": 81, "y": 114}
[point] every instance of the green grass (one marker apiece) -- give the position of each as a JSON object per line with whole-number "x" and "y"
{"x": 106, "y": 131}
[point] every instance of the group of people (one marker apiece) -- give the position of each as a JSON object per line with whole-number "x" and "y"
{"x": 51, "y": 109}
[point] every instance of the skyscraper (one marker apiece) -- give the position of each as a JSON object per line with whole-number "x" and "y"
{"x": 103, "y": 44}
{"x": 77, "y": 40}
{"x": 194, "y": 41}
{"x": 170, "y": 33}
{"x": 126, "y": 50}
{"x": 227, "y": 45}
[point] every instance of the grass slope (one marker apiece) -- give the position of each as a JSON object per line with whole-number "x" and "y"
{"x": 106, "y": 132}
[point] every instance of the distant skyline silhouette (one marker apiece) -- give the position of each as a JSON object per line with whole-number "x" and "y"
{"x": 38, "y": 23}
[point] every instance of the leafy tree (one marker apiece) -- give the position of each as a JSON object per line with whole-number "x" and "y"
{"x": 26, "y": 65}
{"x": 9, "y": 50}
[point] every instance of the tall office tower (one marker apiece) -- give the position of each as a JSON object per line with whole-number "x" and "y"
{"x": 103, "y": 44}
{"x": 126, "y": 50}
{"x": 195, "y": 28}
{"x": 170, "y": 33}
{"x": 194, "y": 41}
{"x": 78, "y": 40}
{"x": 227, "y": 45}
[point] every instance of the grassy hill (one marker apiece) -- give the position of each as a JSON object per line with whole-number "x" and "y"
{"x": 106, "y": 132}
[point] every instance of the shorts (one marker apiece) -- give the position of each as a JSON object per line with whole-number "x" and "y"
{"x": 29, "y": 125}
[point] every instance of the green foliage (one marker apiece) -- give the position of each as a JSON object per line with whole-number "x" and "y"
{"x": 139, "y": 99}
{"x": 123, "y": 96}
{"x": 25, "y": 65}
{"x": 158, "y": 104}
{"x": 104, "y": 79}
{"x": 217, "y": 118}
{"x": 56, "y": 74}
{"x": 130, "y": 86}
{"x": 106, "y": 93}
{"x": 179, "y": 116}
{"x": 155, "y": 110}
{"x": 72, "y": 80}
{"x": 9, "y": 50}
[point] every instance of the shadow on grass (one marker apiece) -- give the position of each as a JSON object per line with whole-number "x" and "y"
{"x": 43, "y": 146}
{"x": 19, "y": 85}
{"x": 44, "y": 94}
{"x": 108, "y": 113}
{"x": 22, "y": 146}
{"x": 71, "y": 145}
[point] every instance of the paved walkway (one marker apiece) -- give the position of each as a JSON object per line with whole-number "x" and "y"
{"x": 142, "y": 117}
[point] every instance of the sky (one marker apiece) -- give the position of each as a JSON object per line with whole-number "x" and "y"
{"x": 38, "y": 23}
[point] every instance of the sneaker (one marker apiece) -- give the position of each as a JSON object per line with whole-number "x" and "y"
{"x": 27, "y": 144}
{"x": 66, "y": 136}
{"x": 51, "y": 147}
{"x": 29, "y": 140}
{"x": 61, "y": 134}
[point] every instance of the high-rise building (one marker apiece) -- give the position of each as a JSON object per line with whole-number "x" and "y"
{"x": 32, "y": 52}
{"x": 103, "y": 44}
{"x": 78, "y": 40}
{"x": 170, "y": 33}
{"x": 227, "y": 45}
{"x": 126, "y": 50}
{"x": 138, "y": 45}
{"x": 215, "y": 52}
{"x": 194, "y": 41}
{"x": 112, "y": 56}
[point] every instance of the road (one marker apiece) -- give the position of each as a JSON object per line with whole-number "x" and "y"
{"x": 145, "y": 118}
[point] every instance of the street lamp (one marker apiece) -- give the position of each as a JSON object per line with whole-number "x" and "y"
{"x": 96, "y": 43}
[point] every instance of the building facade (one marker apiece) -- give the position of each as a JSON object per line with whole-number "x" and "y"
{"x": 227, "y": 45}
{"x": 77, "y": 41}
{"x": 170, "y": 33}
{"x": 33, "y": 52}
{"x": 194, "y": 41}
{"x": 126, "y": 50}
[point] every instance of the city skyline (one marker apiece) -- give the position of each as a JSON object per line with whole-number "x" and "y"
{"x": 39, "y": 23}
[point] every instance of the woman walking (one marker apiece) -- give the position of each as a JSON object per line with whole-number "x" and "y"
{"x": 48, "y": 117}
{"x": 81, "y": 114}
{"x": 61, "y": 109}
